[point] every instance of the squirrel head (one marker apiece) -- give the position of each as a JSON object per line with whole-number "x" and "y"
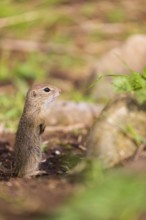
{"x": 39, "y": 97}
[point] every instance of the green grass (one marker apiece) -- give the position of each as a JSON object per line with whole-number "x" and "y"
{"x": 133, "y": 83}
{"x": 114, "y": 195}
{"x": 9, "y": 9}
{"x": 34, "y": 66}
{"x": 116, "y": 15}
{"x": 88, "y": 10}
{"x": 11, "y": 109}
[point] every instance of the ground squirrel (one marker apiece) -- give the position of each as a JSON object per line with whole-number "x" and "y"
{"x": 27, "y": 149}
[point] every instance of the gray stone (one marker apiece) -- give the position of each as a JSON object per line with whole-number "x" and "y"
{"x": 114, "y": 135}
{"x": 71, "y": 113}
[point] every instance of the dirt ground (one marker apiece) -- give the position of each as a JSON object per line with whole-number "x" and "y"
{"x": 37, "y": 197}
{"x": 31, "y": 198}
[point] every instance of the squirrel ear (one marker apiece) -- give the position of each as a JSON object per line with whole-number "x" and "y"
{"x": 34, "y": 93}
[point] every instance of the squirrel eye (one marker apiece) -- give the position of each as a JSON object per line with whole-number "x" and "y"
{"x": 47, "y": 89}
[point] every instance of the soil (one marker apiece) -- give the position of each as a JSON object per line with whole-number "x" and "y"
{"x": 22, "y": 198}
{"x": 37, "y": 197}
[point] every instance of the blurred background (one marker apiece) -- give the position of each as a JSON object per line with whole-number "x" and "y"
{"x": 63, "y": 42}
{"x": 70, "y": 44}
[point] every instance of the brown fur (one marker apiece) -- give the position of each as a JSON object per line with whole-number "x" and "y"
{"x": 32, "y": 124}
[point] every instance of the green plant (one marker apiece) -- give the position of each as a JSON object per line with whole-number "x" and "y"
{"x": 108, "y": 195}
{"x": 133, "y": 83}
{"x": 116, "y": 15}
{"x": 11, "y": 108}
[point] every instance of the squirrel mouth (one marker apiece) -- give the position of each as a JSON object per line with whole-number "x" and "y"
{"x": 54, "y": 97}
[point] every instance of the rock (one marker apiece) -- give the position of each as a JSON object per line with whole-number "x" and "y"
{"x": 131, "y": 55}
{"x": 114, "y": 134}
{"x": 71, "y": 113}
